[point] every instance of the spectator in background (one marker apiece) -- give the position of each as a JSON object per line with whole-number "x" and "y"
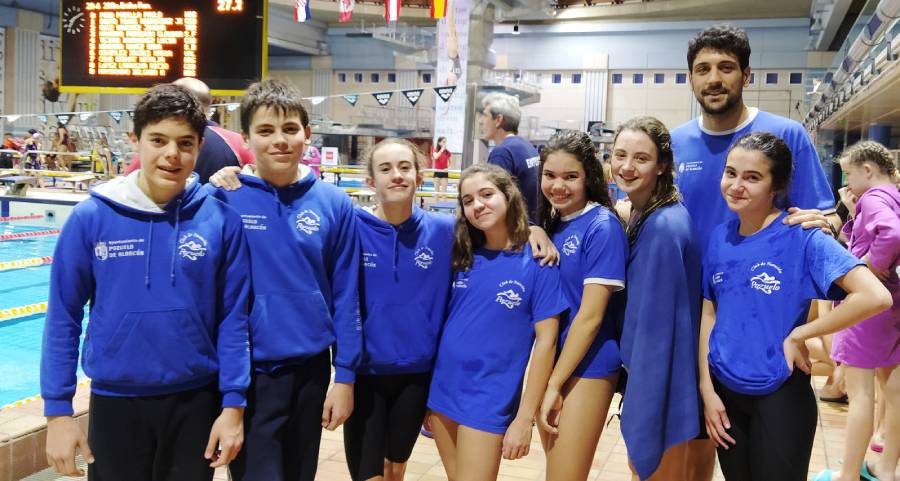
{"x": 499, "y": 121}
{"x": 221, "y": 147}
{"x": 440, "y": 158}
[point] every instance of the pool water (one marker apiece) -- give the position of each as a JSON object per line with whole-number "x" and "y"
{"x": 20, "y": 356}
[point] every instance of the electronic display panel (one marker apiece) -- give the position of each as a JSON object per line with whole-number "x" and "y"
{"x": 128, "y": 46}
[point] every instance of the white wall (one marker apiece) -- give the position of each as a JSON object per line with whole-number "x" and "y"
{"x": 563, "y": 105}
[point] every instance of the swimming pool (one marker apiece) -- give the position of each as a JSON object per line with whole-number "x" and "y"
{"x": 20, "y": 338}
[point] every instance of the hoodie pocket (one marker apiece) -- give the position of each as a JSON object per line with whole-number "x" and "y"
{"x": 398, "y": 334}
{"x": 153, "y": 348}
{"x": 286, "y": 325}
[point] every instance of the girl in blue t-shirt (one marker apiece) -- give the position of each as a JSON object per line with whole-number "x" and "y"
{"x": 577, "y": 214}
{"x": 404, "y": 291}
{"x": 501, "y": 304}
{"x": 759, "y": 276}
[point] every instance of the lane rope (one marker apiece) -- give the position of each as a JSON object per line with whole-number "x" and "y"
{"x": 22, "y": 217}
{"x": 23, "y": 263}
{"x": 22, "y": 311}
{"x": 24, "y": 235}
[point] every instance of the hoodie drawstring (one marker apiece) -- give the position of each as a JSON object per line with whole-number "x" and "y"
{"x": 175, "y": 242}
{"x": 396, "y": 250}
{"x": 149, "y": 250}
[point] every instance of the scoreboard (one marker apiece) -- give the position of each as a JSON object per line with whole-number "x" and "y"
{"x": 128, "y": 46}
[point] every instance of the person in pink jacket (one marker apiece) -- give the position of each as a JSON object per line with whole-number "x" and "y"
{"x": 872, "y": 347}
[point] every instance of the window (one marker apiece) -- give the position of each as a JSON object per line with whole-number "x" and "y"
{"x": 358, "y": 78}
{"x": 796, "y": 78}
{"x": 617, "y": 78}
{"x": 681, "y": 78}
{"x": 557, "y": 78}
{"x": 426, "y": 78}
{"x": 659, "y": 78}
{"x": 637, "y": 78}
{"x": 576, "y": 78}
{"x": 392, "y": 78}
{"x": 752, "y": 78}
{"x": 375, "y": 78}
{"x": 771, "y": 78}
{"x": 342, "y": 78}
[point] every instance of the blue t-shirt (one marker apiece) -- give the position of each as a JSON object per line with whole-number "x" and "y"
{"x": 762, "y": 286}
{"x": 488, "y": 337}
{"x": 700, "y": 160}
{"x": 593, "y": 250}
{"x": 520, "y": 159}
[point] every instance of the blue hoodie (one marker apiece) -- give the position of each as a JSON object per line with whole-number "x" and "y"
{"x": 168, "y": 291}
{"x": 406, "y": 287}
{"x": 305, "y": 269}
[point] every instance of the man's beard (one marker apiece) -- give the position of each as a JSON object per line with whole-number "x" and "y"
{"x": 731, "y": 101}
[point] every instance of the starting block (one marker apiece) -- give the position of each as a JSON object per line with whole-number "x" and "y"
{"x": 17, "y": 184}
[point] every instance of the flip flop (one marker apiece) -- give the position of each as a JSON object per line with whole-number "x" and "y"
{"x": 823, "y": 476}
{"x": 837, "y": 400}
{"x": 864, "y": 473}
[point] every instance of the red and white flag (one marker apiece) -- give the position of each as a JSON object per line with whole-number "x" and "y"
{"x": 346, "y": 10}
{"x": 392, "y": 10}
{"x": 301, "y": 11}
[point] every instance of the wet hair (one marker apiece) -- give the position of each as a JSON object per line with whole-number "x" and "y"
{"x": 418, "y": 156}
{"x": 665, "y": 192}
{"x": 274, "y": 94}
{"x": 723, "y": 38}
{"x": 468, "y": 237}
{"x": 507, "y": 106}
{"x": 780, "y": 160}
{"x": 167, "y": 101}
{"x": 871, "y": 151}
{"x": 579, "y": 145}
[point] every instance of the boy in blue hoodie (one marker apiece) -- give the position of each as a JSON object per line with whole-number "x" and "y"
{"x": 305, "y": 270}
{"x": 164, "y": 267}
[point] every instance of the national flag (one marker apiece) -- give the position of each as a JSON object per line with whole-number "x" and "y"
{"x": 301, "y": 11}
{"x": 346, "y": 10}
{"x": 438, "y": 8}
{"x": 391, "y": 10}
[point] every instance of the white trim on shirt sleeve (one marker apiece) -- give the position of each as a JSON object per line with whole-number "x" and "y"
{"x": 616, "y": 283}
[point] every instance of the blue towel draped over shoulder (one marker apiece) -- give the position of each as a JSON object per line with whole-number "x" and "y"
{"x": 660, "y": 326}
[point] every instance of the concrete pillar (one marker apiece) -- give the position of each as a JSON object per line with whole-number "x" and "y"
{"x": 321, "y": 85}
{"x": 880, "y": 133}
{"x": 481, "y": 35}
{"x": 836, "y": 148}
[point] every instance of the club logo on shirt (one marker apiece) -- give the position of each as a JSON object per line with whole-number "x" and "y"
{"x": 369, "y": 259}
{"x": 533, "y": 162}
{"x": 424, "y": 257}
{"x": 461, "y": 283}
{"x": 308, "y": 222}
{"x": 570, "y": 246}
{"x": 511, "y": 294}
{"x": 101, "y": 251}
{"x": 693, "y": 166}
{"x": 192, "y": 246}
{"x": 718, "y": 278}
{"x": 766, "y": 281}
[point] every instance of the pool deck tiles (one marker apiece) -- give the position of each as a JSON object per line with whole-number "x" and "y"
{"x": 609, "y": 464}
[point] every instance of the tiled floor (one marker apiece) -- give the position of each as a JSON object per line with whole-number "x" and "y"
{"x": 610, "y": 460}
